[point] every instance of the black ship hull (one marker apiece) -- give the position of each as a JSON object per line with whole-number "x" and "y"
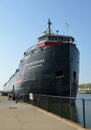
{"x": 50, "y": 70}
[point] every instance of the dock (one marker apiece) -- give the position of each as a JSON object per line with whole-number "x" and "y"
{"x": 23, "y": 116}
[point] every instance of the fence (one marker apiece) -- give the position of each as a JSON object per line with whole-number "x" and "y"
{"x": 70, "y": 108}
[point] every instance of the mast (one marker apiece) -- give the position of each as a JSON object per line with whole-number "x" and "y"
{"x": 49, "y": 26}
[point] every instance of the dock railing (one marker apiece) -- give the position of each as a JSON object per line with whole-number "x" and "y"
{"x": 66, "y": 107}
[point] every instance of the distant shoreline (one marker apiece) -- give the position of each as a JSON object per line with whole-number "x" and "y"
{"x": 84, "y": 92}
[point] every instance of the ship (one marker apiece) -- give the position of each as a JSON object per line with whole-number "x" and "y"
{"x": 51, "y": 67}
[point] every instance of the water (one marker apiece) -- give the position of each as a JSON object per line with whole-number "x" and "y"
{"x": 79, "y": 108}
{"x": 85, "y": 96}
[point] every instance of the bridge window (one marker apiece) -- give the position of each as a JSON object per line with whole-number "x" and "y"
{"x": 70, "y": 40}
{"x": 49, "y": 38}
{"x": 52, "y": 38}
{"x": 59, "y": 39}
{"x": 55, "y": 38}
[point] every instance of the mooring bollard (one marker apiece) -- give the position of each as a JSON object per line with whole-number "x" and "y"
{"x": 83, "y": 102}
{"x": 16, "y": 98}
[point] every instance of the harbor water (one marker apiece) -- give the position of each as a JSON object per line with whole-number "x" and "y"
{"x": 79, "y": 108}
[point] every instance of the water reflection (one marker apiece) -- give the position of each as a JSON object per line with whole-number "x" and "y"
{"x": 69, "y": 112}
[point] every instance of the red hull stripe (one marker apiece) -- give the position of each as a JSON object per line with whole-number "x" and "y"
{"x": 48, "y": 44}
{"x": 19, "y": 81}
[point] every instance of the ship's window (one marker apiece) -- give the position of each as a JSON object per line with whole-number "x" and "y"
{"x": 62, "y": 38}
{"x": 46, "y": 38}
{"x": 59, "y": 39}
{"x": 70, "y": 40}
{"x": 74, "y": 76}
{"x": 52, "y": 38}
{"x": 43, "y": 38}
{"x": 59, "y": 74}
{"x": 66, "y": 39}
{"x": 55, "y": 38}
{"x": 49, "y": 38}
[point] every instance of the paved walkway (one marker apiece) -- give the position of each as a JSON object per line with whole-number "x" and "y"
{"x": 22, "y": 116}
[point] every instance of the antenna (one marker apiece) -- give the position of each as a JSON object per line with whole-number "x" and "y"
{"x": 49, "y": 26}
{"x": 57, "y": 31}
{"x": 67, "y": 25}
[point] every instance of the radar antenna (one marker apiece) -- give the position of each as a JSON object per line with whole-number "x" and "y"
{"x": 57, "y": 31}
{"x": 49, "y": 26}
{"x": 67, "y": 25}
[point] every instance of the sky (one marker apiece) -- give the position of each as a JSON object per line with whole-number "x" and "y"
{"x": 22, "y": 21}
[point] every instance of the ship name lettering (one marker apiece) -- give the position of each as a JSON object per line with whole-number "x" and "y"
{"x": 35, "y": 62}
